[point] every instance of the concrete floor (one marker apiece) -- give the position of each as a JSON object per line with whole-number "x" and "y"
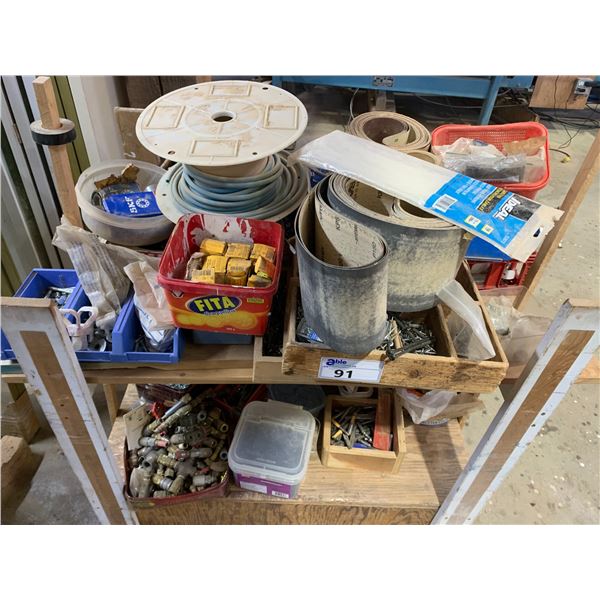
{"x": 556, "y": 480}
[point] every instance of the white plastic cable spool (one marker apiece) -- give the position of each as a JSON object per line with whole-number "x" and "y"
{"x": 221, "y": 123}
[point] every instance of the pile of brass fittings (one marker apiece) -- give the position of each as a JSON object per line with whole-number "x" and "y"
{"x": 353, "y": 427}
{"x": 183, "y": 451}
{"x": 405, "y": 336}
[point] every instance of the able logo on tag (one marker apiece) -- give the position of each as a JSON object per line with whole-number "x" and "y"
{"x": 348, "y": 369}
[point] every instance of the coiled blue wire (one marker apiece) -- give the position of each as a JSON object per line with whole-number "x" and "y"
{"x": 277, "y": 189}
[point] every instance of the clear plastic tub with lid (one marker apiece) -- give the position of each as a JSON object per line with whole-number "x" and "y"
{"x": 118, "y": 229}
{"x": 271, "y": 447}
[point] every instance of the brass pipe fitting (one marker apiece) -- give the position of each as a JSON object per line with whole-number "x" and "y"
{"x": 203, "y": 480}
{"x": 164, "y": 483}
{"x": 216, "y": 451}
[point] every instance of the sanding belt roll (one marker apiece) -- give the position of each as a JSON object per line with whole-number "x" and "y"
{"x": 362, "y": 253}
{"x": 343, "y": 268}
{"x": 379, "y": 125}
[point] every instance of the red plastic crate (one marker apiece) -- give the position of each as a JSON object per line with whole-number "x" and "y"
{"x": 498, "y": 135}
{"x": 218, "y": 307}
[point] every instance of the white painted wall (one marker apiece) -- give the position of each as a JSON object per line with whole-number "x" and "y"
{"x": 95, "y": 98}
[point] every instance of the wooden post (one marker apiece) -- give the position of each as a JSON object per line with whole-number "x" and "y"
{"x": 588, "y": 170}
{"x": 561, "y": 356}
{"x": 36, "y": 332}
{"x": 113, "y": 400}
{"x": 63, "y": 177}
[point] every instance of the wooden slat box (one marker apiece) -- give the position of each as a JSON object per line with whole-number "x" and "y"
{"x": 442, "y": 371}
{"x": 370, "y": 459}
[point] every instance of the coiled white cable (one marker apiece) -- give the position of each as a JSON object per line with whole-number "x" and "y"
{"x": 271, "y": 194}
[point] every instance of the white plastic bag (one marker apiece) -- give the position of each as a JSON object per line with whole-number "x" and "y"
{"x": 424, "y": 406}
{"x": 466, "y": 323}
{"x": 519, "y": 334}
{"x": 149, "y": 296}
{"x": 99, "y": 267}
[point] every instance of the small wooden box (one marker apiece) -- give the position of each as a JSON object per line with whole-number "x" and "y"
{"x": 368, "y": 459}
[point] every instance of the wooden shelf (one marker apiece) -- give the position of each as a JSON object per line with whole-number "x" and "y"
{"x": 434, "y": 459}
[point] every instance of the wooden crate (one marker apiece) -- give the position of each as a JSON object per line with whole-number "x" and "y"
{"x": 19, "y": 465}
{"x": 442, "y": 371}
{"x": 368, "y": 459}
{"x": 18, "y": 417}
{"x": 268, "y": 369}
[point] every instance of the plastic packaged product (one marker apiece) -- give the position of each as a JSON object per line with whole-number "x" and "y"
{"x": 481, "y": 160}
{"x": 99, "y": 267}
{"x": 135, "y": 205}
{"x": 98, "y": 196}
{"x": 514, "y": 224}
{"x": 271, "y": 447}
{"x": 149, "y": 296}
{"x": 153, "y": 340}
{"x": 306, "y": 334}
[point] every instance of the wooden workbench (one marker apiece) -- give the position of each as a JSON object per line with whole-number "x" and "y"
{"x": 432, "y": 472}
{"x": 431, "y": 484}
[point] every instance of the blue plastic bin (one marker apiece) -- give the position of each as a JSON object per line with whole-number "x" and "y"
{"x": 36, "y": 285}
{"x": 127, "y": 328}
{"x": 479, "y": 249}
{"x": 125, "y": 333}
{"x": 130, "y": 330}
{"x": 218, "y": 338}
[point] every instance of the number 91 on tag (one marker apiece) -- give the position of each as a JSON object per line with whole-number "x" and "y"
{"x": 347, "y": 369}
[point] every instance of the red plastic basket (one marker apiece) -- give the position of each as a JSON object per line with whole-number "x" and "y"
{"x": 218, "y": 307}
{"x": 498, "y": 135}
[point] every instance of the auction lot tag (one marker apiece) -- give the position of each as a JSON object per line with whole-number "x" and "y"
{"x": 347, "y": 369}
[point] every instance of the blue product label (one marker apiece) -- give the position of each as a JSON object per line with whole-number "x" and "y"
{"x": 136, "y": 204}
{"x": 488, "y": 211}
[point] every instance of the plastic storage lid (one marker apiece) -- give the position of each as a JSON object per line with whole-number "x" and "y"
{"x": 272, "y": 440}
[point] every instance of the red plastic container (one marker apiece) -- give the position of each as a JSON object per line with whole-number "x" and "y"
{"x": 498, "y": 135}
{"x": 218, "y": 307}
{"x": 216, "y": 491}
{"x": 495, "y": 270}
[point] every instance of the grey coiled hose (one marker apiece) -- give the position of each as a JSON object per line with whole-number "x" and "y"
{"x": 275, "y": 191}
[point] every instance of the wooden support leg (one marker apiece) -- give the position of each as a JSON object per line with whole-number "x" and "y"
{"x": 559, "y": 359}
{"x": 581, "y": 184}
{"x": 113, "y": 400}
{"x": 39, "y": 339}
